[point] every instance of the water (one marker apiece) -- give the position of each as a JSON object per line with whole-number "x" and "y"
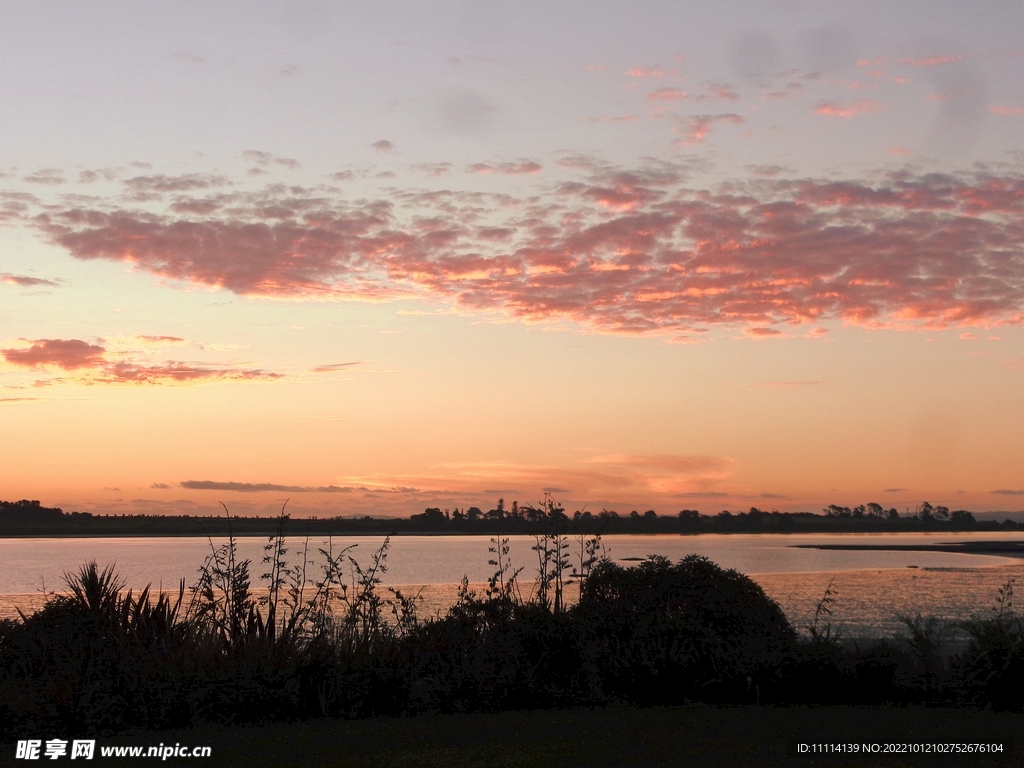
{"x": 872, "y": 587}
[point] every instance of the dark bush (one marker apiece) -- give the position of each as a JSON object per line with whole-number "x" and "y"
{"x": 660, "y": 632}
{"x": 992, "y": 668}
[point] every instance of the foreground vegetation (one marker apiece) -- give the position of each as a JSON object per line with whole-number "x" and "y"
{"x": 332, "y": 643}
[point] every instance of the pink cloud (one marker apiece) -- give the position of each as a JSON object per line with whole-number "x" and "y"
{"x": 68, "y": 354}
{"x": 717, "y": 90}
{"x": 645, "y": 72}
{"x": 1007, "y": 109}
{"x": 864, "y": 106}
{"x": 934, "y": 61}
{"x": 130, "y": 373}
{"x": 95, "y": 364}
{"x": 185, "y": 183}
{"x": 761, "y": 332}
{"x": 508, "y": 169}
{"x": 615, "y": 249}
{"x": 47, "y": 176}
{"x": 27, "y": 282}
{"x": 697, "y": 128}
{"x": 666, "y": 94}
{"x": 264, "y": 159}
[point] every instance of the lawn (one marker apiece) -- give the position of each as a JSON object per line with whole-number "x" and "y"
{"x": 614, "y": 736}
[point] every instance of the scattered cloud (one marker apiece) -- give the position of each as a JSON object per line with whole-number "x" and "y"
{"x": 1008, "y": 492}
{"x": 617, "y": 249}
{"x": 25, "y": 281}
{"x": 768, "y": 171}
{"x": 666, "y": 94}
{"x": 383, "y": 145}
{"x": 334, "y": 367}
{"x": 47, "y": 176}
{"x": 98, "y": 364}
{"x": 760, "y": 332}
{"x": 66, "y": 354}
{"x": 264, "y": 159}
{"x": 696, "y": 128}
{"x": 934, "y": 61}
{"x": 895, "y": 490}
{"x": 861, "y": 107}
{"x": 715, "y": 91}
{"x": 147, "y": 185}
{"x": 508, "y": 169}
{"x": 1007, "y": 109}
{"x": 645, "y": 72}
{"x": 433, "y": 169}
{"x": 160, "y": 341}
{"x": 160, "y": 486}
{"x": 212, "y": 485}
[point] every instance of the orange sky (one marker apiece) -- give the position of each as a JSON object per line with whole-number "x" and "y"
{"x": 373, "y": 263}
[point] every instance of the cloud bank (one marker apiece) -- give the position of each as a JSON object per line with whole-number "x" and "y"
{"x": 613, "y": 249}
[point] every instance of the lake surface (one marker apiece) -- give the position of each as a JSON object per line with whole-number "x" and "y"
{"x": 872, "y": 587}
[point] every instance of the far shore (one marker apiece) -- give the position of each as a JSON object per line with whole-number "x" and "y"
{"x": 1004, "y": 548}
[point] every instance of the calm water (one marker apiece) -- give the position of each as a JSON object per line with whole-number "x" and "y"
{"x": 872, "y": 586}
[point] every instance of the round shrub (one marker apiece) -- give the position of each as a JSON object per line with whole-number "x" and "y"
{"x": 661, "y": 632}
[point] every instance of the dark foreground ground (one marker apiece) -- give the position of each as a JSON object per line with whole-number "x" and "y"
{"x": 670, "y": 736}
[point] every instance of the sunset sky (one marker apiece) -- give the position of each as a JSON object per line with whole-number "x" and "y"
{"x": 382, "y": 256}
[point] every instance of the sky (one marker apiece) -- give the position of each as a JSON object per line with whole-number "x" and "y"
{"x": 372, "y": 258}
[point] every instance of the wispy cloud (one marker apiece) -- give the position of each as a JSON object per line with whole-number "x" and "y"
{"x": 646, "y": 72}
{"x": 696, "y": 128}
{"x": 666, "y": 94}
{"x": 334, "y": 367}
{"x": 508, "y": 169}
{"x": 99, "y": 364}
{"x": 934, "y": 61}
{"x": 25, "y": 281}
{"x": 760, "y": 332}
{"x": 213, "y": 485}
{"x": 861, "y": 107}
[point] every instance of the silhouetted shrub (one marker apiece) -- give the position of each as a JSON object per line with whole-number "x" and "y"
{"x": 992, "y": 668}
{"x": 660, "y": 632}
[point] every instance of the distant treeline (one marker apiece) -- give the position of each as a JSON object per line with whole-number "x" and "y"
{"x": 25, "y": 518}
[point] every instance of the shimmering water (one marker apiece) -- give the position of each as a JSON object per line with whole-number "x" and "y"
{"x": 872, "y": 587}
